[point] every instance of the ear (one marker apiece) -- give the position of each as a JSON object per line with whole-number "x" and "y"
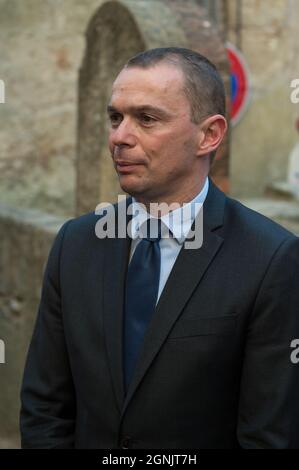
{"x": 211, "y": 133}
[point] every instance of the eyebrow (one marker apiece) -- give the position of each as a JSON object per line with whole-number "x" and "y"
{"x": 147, "y": 108}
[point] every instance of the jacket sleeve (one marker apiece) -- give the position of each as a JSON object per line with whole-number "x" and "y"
{"x": 48, "y": 406}
{"x": 269, "y": 395}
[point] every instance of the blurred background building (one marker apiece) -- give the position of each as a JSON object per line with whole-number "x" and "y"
{"x": 58, "y": 59}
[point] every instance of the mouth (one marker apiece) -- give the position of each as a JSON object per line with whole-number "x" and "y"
{"x": 126, "y": 166}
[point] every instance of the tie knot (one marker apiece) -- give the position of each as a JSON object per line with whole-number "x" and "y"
{"x": 151, "y": 229}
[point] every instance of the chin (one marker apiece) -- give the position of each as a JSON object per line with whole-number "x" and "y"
{"x": 130, "y": 186}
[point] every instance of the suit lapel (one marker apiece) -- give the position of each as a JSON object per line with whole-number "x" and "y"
{"x": 186, "y": 274}
{"x": 116, "y": 261}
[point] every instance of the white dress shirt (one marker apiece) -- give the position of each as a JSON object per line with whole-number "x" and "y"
{"x": 177, "y": 222}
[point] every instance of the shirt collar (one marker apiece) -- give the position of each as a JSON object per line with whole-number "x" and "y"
{"x": 178, "y": 221}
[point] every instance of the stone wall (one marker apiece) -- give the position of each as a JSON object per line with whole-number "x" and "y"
{"x": 41, "y": 48}
{"x": 26, "y": 236}
{"x": 267, "y": 34}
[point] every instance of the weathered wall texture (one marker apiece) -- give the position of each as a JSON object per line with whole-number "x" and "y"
{"x": 41, "y": 47}
{"x": 26, "y": 236}
{"x": 268, "y": 37}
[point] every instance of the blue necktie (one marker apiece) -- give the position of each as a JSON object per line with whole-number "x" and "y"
{"x": 141, "y": 294}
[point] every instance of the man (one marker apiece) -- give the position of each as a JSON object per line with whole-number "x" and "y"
{"x": 141, "y": 341}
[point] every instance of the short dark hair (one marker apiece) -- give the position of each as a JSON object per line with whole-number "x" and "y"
{"x": 203, "y": 86}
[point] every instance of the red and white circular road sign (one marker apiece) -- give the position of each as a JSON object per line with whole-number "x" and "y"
{"x": 240, "y": 87}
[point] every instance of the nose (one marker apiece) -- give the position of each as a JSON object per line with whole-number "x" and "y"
{"x": 123, "y": 134}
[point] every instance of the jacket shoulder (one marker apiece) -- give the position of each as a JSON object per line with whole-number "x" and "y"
{"x": 85, "y": 225}
{"x": 254, "y": 224}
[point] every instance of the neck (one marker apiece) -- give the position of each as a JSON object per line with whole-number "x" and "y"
{"x": 159, "y": 206}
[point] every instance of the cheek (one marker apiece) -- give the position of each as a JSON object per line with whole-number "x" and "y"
{"x": 189, "y": 146}
{"x": 152, "y": 148}
{"x": 159, "y": 145}
{"x": 168, "y": 150}
{"x": 110, "y": 144}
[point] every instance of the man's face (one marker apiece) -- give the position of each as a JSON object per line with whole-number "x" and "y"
{"x": 152, "y": 140}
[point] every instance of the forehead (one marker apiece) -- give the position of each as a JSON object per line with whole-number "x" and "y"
{"x": 161, "y": 83}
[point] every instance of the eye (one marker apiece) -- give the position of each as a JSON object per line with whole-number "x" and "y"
{"x": 115, "y": 119}
{"x": 146, "y": 119}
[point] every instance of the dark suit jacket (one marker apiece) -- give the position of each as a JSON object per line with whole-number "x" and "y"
{"x": 215, "y": 368}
